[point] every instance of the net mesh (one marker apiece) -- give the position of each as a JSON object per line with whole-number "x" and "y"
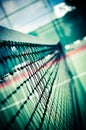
{"x": 32, "y": 94}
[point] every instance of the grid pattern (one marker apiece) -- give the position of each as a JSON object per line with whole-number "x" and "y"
{"x": 31, "y": 94}
{"x": 22, "y": 16}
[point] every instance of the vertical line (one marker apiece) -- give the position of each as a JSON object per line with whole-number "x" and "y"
{"x": 6, "y": 15}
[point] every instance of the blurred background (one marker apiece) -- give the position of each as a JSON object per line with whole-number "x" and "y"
{"x": 45, "y": 67}
{"x": 51, "y": 19}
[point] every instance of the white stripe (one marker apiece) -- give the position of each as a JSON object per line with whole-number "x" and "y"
{"x": 79, "y": 75}
{"x": 12, "y": 105}
{"x": 60, "y": 84}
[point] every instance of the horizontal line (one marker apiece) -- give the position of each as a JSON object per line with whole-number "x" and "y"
{"x": 74, "y": 77}
{"x": 23, "y": 75}
{"x": 7, "y": 15}
{"x": 75, "y": 51}
{"x": 16, "y": 103}
{"x": 60, "y": 84}
{"x": 12, "y": 105}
